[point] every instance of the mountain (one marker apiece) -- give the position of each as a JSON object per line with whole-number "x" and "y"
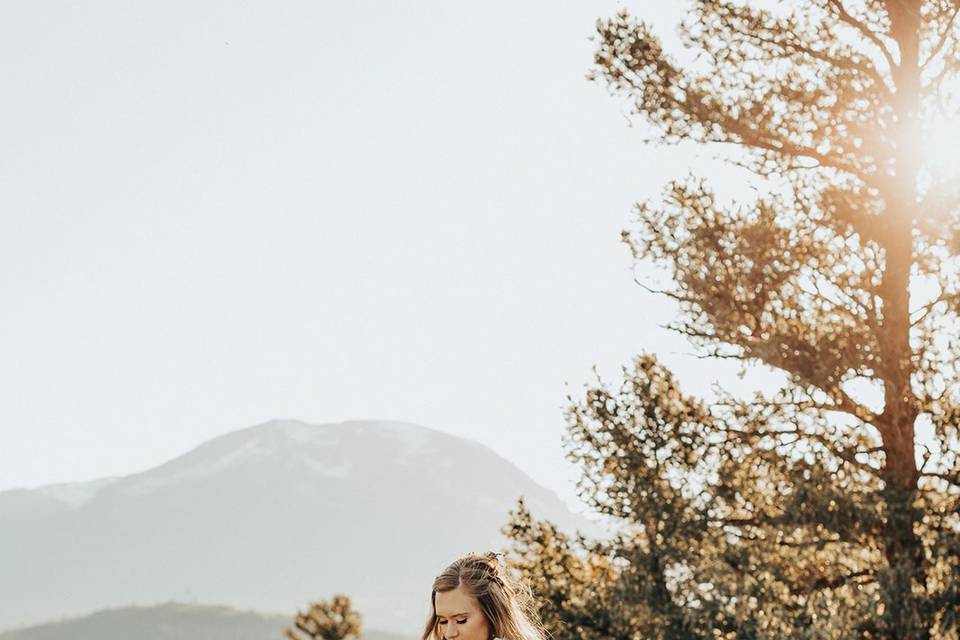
{"x": 170, "y": 621}
{"x": 267, "y": 518}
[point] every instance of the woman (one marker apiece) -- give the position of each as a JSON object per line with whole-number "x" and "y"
{"x": 475, "y": 599}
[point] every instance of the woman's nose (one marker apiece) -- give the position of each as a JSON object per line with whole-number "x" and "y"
{"x": 452, "y": 631}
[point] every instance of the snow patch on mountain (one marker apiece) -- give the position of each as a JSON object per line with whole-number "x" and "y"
{"x": 324, "y": 469}
{"x": 413, "y": 438}
{"x": 286, "y": 440}
{"x": 75, "y": 494}
{"x": 300, "y": 432}
{"x": 149, "y": 482}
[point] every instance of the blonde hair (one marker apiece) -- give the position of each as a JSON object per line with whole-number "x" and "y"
{"x": 506, "y": 603}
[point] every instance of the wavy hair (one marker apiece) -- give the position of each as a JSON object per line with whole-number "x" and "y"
{"x": 506, "y": 603}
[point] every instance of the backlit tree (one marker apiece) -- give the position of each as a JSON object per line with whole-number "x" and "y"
{"x": 828, "y": 509}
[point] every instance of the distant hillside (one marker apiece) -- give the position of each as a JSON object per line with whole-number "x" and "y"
{"x": 170, "y": 621}
{"x": 267, "y": 519}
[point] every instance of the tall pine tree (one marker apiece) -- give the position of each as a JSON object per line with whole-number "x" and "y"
{"x": 830, "y": 509}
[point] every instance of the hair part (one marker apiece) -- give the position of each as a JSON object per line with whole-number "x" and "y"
{"x": 506, "y": 603}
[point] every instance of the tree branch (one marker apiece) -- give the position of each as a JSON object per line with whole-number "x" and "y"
{"x": 943, "y": 37}
{"x": 864, "y": 29}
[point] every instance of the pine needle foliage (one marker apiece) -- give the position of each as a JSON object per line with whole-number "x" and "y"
{"x": 830, "y": 508}
{"x": 333, "y": 619}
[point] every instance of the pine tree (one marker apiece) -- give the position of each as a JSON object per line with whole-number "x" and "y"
{"x": 332, "y": 619}
{"x": 829, "y": 509}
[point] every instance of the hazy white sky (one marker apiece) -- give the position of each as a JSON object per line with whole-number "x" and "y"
{"x": 216, "y": 213}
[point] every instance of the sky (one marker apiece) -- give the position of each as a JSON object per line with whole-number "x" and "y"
{"x": 214, "y": 214}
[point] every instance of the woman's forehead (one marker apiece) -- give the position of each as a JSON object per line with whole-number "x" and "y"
{"x": 454, "y": 602}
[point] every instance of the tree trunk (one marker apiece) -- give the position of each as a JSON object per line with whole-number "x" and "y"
{"x": 906, "y": 577}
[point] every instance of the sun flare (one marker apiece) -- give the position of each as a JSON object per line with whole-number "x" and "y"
{"x": 940, "y": 148}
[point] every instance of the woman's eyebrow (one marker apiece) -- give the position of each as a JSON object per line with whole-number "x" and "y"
{"x": 455, "y": 615}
